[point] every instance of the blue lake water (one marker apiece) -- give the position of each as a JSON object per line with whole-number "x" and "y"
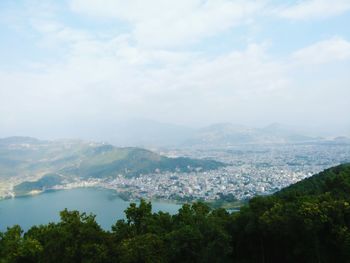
{"x": 45, "y": 208}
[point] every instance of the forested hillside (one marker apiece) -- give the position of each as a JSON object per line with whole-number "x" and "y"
{"x": 306, "y": 222}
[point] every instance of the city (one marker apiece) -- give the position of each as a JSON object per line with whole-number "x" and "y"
{"x": 252, "y": 170}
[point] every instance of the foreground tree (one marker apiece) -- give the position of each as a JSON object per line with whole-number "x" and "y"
{"x": 15, "y": 248}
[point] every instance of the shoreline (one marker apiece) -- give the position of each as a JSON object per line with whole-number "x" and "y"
{"x": 211, "y": 203}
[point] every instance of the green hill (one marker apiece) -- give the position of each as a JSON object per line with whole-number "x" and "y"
{"x": 308, "y": 221}
{"x": 111, "y": 161}
{"x": 24, "y": 157}
{"x": 335, "y": 181}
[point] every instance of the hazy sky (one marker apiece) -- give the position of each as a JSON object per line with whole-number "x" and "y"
{"x": 192, "y": 62}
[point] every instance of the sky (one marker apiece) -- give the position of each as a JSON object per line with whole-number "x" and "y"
{"x": 75, "y": 64}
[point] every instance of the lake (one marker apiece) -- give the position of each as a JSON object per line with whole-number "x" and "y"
{"x": 45, "y": 208}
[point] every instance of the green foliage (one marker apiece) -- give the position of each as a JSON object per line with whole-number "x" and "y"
{"x": 335, "y": 180}
{"x": 14, "y": 248}
{"x": 306, "y": 222}
{"x": 76, "y": 238}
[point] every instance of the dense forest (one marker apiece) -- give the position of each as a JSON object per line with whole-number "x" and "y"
{"x": 306, "y": 222}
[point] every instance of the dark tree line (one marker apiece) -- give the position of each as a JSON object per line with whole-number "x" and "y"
{"x": 307, "y": 222}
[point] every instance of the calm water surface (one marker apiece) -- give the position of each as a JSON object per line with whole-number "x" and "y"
{"x": 45, "y": 208}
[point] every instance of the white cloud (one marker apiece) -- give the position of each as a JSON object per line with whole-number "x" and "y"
{"x": 334, "y": 49}
{"x": 136, "y": 74}
{"x": 55, "y": 34}
{"x": 122, "y": 81}
{"x": 312, "y": 9}
{"x": 166, "y": 23}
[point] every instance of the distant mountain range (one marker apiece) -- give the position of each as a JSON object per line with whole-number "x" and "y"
{"x": 153, "y": 134}
{"x": 225, "y": 134}
{"x": 54, "y": 161}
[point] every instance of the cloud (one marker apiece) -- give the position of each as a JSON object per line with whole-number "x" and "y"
{"x": 330, "y": 50}
{"x": 165, "y": 23}
{"x": 314, "y": 9}
{"x": 124, "y": 80}
{"x": 152, "y": 70}
{"x": 55, "y": 35}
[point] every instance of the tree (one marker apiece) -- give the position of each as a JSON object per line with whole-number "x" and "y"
{"x": 15, "y": 249}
